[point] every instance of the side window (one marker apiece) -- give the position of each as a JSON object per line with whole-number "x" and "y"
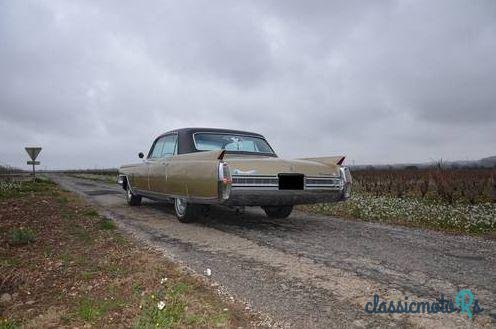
{"x": 157, "y": 148}
{"x": 170, "y": 145}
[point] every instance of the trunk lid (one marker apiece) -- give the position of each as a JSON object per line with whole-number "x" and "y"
{"x": 264, "y": 165}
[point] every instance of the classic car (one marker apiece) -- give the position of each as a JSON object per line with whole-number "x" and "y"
{"x": 198, "y": 167}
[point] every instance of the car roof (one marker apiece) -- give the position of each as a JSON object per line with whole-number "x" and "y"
{"x": 193, "y": 130}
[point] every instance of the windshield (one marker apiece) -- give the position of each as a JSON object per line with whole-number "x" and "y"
{"x": 231, "y": 142}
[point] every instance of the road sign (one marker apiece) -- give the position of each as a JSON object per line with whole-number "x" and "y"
{"x": 33, "y": 152}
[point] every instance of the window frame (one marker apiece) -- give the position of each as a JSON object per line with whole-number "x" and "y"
{"x": 234, "y": 134}
{"x": 174, "y": 152}
{"x": 149, "y": 156}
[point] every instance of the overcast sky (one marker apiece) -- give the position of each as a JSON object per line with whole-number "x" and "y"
{"x": 93, "y": 82}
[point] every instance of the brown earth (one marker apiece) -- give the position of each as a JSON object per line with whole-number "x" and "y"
{"x": 80, "y": 271}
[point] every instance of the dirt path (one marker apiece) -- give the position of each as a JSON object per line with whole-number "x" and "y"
{"x": 314, "y": 271}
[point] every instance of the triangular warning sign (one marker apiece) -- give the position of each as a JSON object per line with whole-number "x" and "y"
{"x": 33, "y": 152}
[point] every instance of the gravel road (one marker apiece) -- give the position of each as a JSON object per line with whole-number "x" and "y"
{"x": 311, "y": 271}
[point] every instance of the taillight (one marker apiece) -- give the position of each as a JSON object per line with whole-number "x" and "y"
{"x": 346, "y": 181}
{"x": 225, "y": 181}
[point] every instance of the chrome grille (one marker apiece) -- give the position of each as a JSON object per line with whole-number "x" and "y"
{"x": 255, "y": 181}
{"x": 272, "y": 182}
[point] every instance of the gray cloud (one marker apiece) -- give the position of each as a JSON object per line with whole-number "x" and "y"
{"x": 391, "y": 81}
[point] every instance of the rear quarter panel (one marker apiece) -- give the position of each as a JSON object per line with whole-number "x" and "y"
{"x": 194, "y": 175}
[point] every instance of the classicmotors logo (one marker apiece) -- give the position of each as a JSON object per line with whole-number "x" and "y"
{"x": 464, "y": 303}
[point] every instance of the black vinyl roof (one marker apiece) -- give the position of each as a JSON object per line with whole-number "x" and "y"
{"x": 191, "y": 131}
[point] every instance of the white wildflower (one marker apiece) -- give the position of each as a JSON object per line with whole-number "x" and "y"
{"x": 163, "y": 280}
{"x": 208, "y": 272}
{"x": 161, "y": 305}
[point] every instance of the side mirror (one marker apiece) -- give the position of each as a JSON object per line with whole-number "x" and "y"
{"x": 141, "y": 155}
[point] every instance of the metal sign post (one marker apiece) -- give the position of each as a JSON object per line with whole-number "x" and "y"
{"x": 33, "y": 154}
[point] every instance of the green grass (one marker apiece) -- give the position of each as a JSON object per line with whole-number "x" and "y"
{"x": 87, "y": 276}
{"x": 21, "y": 236}
{"x": 106, "y": 224}
{"x": 80, "y": 233}
{"x": 91, "y": 213}
{"x": 114, "y": 270}
{"x": 47, "y": 251}
{"x": 66, "y": 258}
{"x": 137, "y": 288}
{"x": 62, "y": 200}
{"x": 175, "y": 312}
{"x": 91, "y": 309}
{"x": 9, "y": 262}
{"x": 22, "y": 188}
{"x": 107, "y": 178}
{"x": 8, "y": 324}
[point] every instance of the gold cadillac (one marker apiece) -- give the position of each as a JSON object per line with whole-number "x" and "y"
{"x": 197, "y": 167}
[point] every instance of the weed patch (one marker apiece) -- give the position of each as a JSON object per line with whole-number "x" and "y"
{"x": 106, "y": 224}
{"x": 8, "y": 324}
{"x": 21, "y": 236}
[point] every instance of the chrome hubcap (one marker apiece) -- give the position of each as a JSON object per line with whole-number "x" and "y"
{"x": 180, "y": 206}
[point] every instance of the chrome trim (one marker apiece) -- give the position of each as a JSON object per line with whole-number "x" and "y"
{"x": 263, "y": 197}
{"x": 323, "y": 183}
{"x": 255, "y": 181}
{"x": 271, "y": 182}
{"x": 167, "y": 197}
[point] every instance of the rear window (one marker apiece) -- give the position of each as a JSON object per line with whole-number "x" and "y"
{"x": 231, "y": 142}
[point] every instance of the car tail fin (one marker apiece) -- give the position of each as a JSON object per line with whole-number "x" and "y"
{"x": 221, "y": 155}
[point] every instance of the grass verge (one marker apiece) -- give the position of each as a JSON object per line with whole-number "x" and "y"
{"x": 477, "y": 219}
{"x": 63, "y": 265}
{"x": 106, "y": 178}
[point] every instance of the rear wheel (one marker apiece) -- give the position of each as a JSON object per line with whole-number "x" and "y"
{"x": 188, "y": 212}
{"x": 278, "y": 212}
{"x": 131, "y": 198}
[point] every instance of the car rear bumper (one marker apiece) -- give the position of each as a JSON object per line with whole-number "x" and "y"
{"x": 254, "y": 197}
{"x": 268, "y": 191}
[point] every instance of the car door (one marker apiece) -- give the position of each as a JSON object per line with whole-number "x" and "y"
{"x": 140, "y": 176}
{"x": 157, "y": 173}
{"x": 154, "y": 157}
